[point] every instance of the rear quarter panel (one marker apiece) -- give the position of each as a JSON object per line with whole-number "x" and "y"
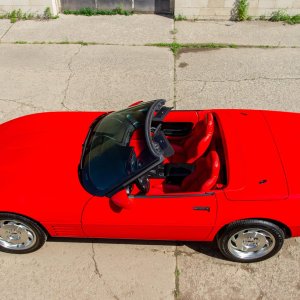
{"x": 284, "y": 211}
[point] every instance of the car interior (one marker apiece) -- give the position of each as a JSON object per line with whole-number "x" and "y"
{"x": 195, "y": 165}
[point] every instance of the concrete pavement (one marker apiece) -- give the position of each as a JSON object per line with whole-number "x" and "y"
{"x": 239, "y": 78}
{"x": 47, "y": 77}
{"x": 241, "y": 33}
{"x": 76, "y": 270}
{"x": 135, "y": 29}
{"x": 205, "y": 275}
{"x": 74, "y": 77}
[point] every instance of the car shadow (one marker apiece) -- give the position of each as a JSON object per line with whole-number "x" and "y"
{"x": 206, "y": 248}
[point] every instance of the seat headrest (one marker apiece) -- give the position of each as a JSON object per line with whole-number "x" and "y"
{"x": 213, "y": 161}
{"x": 210, "y": 125}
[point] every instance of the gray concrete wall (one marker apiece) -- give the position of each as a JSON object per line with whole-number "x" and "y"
{"x": 33, "y": 6}
{"x": 222, "y": 9}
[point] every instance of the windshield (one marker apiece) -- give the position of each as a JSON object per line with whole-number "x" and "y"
{"x": 116, "y": 151}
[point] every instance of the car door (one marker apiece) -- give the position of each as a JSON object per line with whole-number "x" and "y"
{"x": 182, "y": 216}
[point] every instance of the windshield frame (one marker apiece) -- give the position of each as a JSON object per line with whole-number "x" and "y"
{"x": 156, "y": 158}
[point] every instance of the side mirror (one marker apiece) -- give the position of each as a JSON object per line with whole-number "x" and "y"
{"x": 121, "y": 199}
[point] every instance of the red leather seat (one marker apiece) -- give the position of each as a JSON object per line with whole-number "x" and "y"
{"x": 196, "y": 144}
{"x": 204, "y": 177}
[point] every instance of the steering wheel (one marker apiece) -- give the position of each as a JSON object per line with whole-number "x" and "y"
{"x": 157, "y": 142}
{"x": 143, "y": 184}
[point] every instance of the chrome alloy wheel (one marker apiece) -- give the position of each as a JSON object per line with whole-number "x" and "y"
{"x": 15, "y": 235}
{"x": 251, "y": 243}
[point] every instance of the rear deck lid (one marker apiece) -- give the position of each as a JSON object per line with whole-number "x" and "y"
{"x": 255, "y": 171}
{"x": 285, "y": 128}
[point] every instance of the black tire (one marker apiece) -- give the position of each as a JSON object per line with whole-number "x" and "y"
{"x": 20, "y": 235}
{"x": 232, "y": 241}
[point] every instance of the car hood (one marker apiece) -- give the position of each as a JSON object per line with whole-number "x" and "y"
{"x": 255, "y": 169}
{"x": 39, "y": 156}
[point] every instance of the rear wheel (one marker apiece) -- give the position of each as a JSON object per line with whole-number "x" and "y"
{"x": 19, "y": 234}
{"x": 250, "y": 240}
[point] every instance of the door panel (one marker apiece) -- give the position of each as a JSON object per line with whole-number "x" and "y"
{"x": 161, "y": 217}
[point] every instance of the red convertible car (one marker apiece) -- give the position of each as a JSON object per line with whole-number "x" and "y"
{"x": 147, "y": 172}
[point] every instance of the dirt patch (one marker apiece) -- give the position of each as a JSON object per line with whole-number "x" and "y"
{"x": 183, "y": 65}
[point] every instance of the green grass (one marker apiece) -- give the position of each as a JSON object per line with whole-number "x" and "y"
{"x": 283, "y": 16}
{"x": 87, "y": 11}
{"x": 18, "y": 15}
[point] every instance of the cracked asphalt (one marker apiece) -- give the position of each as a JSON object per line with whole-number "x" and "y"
{"x": 43, "y": 68}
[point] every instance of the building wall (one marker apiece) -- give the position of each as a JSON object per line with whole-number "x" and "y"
{"x": 148, "y": 6}
{"x": 33, "y": 6}
{"x": 192, "y": 9}
{"x": 223, "y": 9}
{"x": 38, "y": 6}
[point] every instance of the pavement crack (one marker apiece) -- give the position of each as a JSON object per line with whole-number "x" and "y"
{"x": 249, "y": 272}
{"x": 18, "y": 101}
{"x": 4, "y": 34}
{"x": 174, "y": 67}
{"x": 203, "y": 87}
{"x": 96, "y": 270}
{"x": 71, "y": 74}
{"x": 100, "y": 276}
{"x": 177, "y": 274}
{"x": 241, "y": 80}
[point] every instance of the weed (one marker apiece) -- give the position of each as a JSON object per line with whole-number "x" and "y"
{"x": 262, "y": 18}
{"x": 30, "y": 16}
{"x": 282, "y": 15}
{"x": 176, "y": 47}
{"x": 63, "y": 43}
{"x": 47, "y": 13}
{"x": 82, "y": 43}
{"x": 174, "y": 31}
{"x": 242, "y": 10}
{"x": 279, "y": 15}
{"x": 180, "y": 18}
{"x": 88, "y": 11}
{"x": 294, "y": 19}
{"x": 177, "y": 291}
{"x": 17, "y": 15}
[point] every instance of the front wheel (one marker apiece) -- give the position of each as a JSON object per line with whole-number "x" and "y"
{"x": 19, "y": 234}
{"x": 250, "y": 240}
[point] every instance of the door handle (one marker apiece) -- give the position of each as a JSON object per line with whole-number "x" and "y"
{"x": 203, "y": 208}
